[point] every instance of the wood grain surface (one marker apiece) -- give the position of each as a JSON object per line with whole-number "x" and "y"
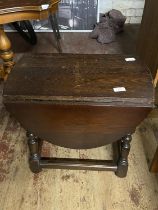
{"x": 83, "y": 78}
{"x": 77, "y": 126}
{"x": 69, "y": 99}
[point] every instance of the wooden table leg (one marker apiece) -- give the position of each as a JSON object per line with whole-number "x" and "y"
{"x": 6, "y": 54}
{"x": 154, "y": 164}
{"x": 34, "y": 144}
{"x": 123, "y": 159}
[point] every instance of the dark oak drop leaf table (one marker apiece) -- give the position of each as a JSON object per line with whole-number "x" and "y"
{"x": 79, "y": 102}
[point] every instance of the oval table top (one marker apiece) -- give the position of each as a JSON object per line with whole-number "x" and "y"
{"x": 79, "y": 101}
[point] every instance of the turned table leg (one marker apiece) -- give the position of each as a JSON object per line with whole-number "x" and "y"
{"x": 154, "y": 164}
{"x": 123, "y": 157}
{"x": 6, "y": 54}
{"x": 34, "y": 144}
{"x": 119, "y": 166}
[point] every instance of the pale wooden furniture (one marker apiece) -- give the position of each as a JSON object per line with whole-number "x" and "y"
{"x": 16, "y": 10}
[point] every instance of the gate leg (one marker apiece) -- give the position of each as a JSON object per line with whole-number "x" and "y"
{"x": 34, "y": 144}
{"x": 123, "y": 157}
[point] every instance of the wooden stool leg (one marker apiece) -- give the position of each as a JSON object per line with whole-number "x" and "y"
{"x": 34, "y": 146}
{"x": 123, "y": 159}
{"x": 55, "y": 28}
{"x": 154, "y": 164}
{"x": 6, "y": 54}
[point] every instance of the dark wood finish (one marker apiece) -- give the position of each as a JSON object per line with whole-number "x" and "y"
{"x": 124, "y": 145}
{"x": 78, "y": 164}
{"x": 69, "y": 100}
{"x": 65, "y": 97}
{"x": 86, "y": 79}
{"x": 34, "y": 146}
{"x": 148, "y": 49}
{"x": 119, "y": 164}
{"x": 148, "y": 37}
{"x": 77, "y": 126}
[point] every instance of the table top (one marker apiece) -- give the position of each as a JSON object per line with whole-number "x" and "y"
{"x": 8, "y": 6}
{"x": 96, "y": 79}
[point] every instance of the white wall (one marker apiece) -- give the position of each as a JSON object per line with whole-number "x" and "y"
{"x": 132, "y": 9}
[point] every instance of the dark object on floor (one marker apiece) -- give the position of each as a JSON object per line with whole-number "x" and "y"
{"x": 110, "y": 24}
{"x": 79, "y": 101}
{"x": 26, "y": 30}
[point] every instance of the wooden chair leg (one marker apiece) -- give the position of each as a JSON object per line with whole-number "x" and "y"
{"x": 123, "y": 159}
{"x": 34, "y": 144}
{"x": 54, "y": 24}
{"x": 154, "y": 164}
{"x": 6, "y": 54}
